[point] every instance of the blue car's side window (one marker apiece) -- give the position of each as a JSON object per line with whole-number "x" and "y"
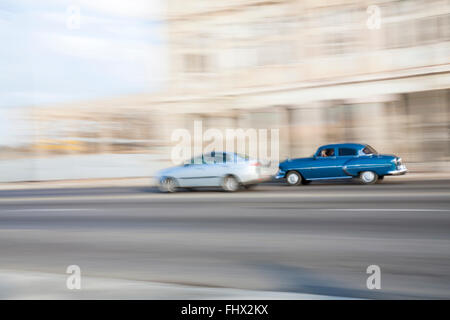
{"x": 347, "y": 152}
{"x": 326, "y": 152}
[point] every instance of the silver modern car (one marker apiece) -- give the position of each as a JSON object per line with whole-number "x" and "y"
{"x": 227, "y": 170}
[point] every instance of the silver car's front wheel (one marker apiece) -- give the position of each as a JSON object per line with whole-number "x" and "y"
{"x": 368, "y": 177}
{"x": 230, "y": 184}
{"x": 168, "y": 184}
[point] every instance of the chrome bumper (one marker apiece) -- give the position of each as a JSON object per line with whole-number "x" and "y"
{"x": 401, "y": 170}
{"x": 280, "y": 174}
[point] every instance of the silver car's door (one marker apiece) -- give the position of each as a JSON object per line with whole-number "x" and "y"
{"x": 212, "y": 170}
{"x": 190, "y": 174}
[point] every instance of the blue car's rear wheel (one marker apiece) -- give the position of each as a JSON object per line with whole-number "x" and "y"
{"x": 293, "y": 178}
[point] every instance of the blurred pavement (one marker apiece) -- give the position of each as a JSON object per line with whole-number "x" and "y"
{"x": 29, "y": 285}
{"x": 149, "y": 181}
{"x": 317, "y": 239}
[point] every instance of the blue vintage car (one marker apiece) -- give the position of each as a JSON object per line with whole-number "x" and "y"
{"x": 341, "y": 161}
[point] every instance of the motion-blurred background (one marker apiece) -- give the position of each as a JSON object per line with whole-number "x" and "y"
{"x": 94, "y": 89}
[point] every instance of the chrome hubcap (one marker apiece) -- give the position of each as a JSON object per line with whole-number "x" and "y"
{"x": 368, "y": 176}
{"x": 231, "y": 184}
{"x": 292, "y": 178}
{"x": 168, "y": 185}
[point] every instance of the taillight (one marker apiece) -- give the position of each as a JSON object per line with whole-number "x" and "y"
{"x": 255, "y": 164}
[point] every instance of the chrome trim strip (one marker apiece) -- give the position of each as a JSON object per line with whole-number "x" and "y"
{"x": 199, "y": 177}
{"x": 397, "y": 172}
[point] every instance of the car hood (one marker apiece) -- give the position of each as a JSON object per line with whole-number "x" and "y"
{"x": 168, "y": 171}
{"x": 383, "y": 156}
{"x": 387, "y": 156}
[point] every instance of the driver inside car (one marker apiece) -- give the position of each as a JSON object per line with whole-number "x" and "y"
{"x": 327, "y": 153}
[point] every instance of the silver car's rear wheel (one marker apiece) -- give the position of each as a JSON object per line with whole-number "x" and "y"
{"x": 168, "y": 184}
{"x": 230, "y": 184}
{"x": 293, "y": 178}
{"x": 368, "y": 177}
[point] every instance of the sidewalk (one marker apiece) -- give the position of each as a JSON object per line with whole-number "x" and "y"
{"x": 81, "y": 183}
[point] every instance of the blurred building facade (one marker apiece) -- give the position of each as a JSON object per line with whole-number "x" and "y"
{"x": 376, "y": 72}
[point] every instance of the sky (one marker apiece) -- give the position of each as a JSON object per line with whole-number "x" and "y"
{"x": 55, "y": 51}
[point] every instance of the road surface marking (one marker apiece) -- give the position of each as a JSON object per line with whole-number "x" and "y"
{"x": 382, "y": 209}
{"x": 51, "y": 209}
{"x": 224, "y": 196}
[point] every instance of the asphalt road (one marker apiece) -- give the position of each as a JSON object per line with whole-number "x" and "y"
{"x": 317, "y": 239}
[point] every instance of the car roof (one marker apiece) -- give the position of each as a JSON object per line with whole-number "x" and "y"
{"x": 345, "y": 145}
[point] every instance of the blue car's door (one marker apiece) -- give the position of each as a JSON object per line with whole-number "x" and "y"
{"x": 329, "y": 163}
{"x": 344, "y": 156}
{"x": 324, "y": 167}
{"x": 323, "y": 164}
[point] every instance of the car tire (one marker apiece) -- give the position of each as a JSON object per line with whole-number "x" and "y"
{"x": 230, "y": 184}
{"x": 368, "y": 177}
{"x": 380, "y": 179}
{"x": 293, "y": 178}
{"x": 168, "y": 185}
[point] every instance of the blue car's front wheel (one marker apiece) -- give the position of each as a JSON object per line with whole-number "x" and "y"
{"x": 293, "y": 178}
{"x": 368, "y": 177}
